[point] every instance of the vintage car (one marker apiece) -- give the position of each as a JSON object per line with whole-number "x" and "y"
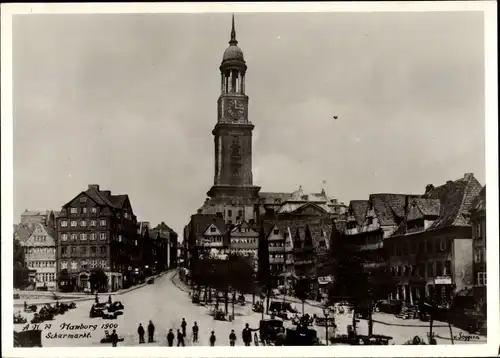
{"x": 268, "y": 329}
{"x": 30, "y": 308}
{"x": 115, "y": 306}
{"x": 18, "y": 319}
{"x": 301, "y": 335}
{"x": 258, "y": 307}
{"x": 32, "y": 338}
{"x": 219, "y": 315}
{"x": 195, "y": 298}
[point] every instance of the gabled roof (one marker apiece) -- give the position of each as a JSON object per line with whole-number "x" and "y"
{"x": 43, "y": 229}
{"x": 201, "y": 222}
{"x": 298, "y": 207}
{"x": 390, "y": 208}
{"x": 22, "y": 232}
{"x": 479, "y": 202}
{"x": 456, "y": 198}
{"x": 428, "y": 207}
{"x": 100, "y": 197}
{"x": 273, "y": 198}
{"x": 358, "y": 208}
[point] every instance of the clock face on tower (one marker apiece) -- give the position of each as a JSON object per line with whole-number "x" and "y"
{"x": 235, "y": 109}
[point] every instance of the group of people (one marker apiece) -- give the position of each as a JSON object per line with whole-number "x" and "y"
{"x": 181, "y": 335}
{"x": 151, "y": 332}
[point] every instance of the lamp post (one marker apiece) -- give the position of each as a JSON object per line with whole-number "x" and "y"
{"x": 325, "y": 313}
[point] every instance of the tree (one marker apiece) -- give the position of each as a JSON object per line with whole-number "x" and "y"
{"x": 264, "y": 270}
{"x": 18, "y": 253}
{"x": 302, "y": 288}
{"x": 98, "y": 279}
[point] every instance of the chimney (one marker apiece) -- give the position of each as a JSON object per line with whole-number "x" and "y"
{"x": 106, "y": 192}
{"x": 198, "y": 211}
{"x": 94, "y": 186}
{"x": 468, "y": 176}
{"x": 449, "y": 182}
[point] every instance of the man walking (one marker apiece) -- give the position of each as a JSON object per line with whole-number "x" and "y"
{"x": 232, "y": 338}
{"x": 151, "y": 332}
{"x": 212, "y": 339}
{"x": 195, "y": 332}
{"x": 180, "y": 338}
{"x": 170, "y": 338}
{"x": 140, "y": 331}
{"x": 183, "y": 326}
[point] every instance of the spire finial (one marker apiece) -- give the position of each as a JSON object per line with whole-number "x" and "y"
{"x": 233, "y": 41}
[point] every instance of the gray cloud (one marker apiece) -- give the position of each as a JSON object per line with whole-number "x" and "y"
{"x": 129, "y": 101}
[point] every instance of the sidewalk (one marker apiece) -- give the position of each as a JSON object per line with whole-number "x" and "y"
{"x": 63, "y": 296}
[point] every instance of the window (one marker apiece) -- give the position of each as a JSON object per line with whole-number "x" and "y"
{"x": 442, "y": 244}
{"x": 83, "y": 250}
{"x": 102, "y": 222}
{"x": 240, "y": 213}
{"x": 92, "y": 223}
{"x": 103, "y": 249}
{"x": 64, "y": 265}
{"x": 93, "y": 250}
{"x": 93, "y": 263}
{"x": 84, "y": 210}
{"x": 73, "y": 223}
{"x": 212, "y": 229}
{"x": 64, "y": 237}
{"x": 229, "y": 213}
{"x": 73, "y": 250}
{"x": 64, "y": 223}
{"x": 102, "y": 236}
{"x": 93, "y": 210}
{"x": 447, "y": 268}
{"x": 74, "y": 210}
{"x": 481, "y": 278}
{"x": 83, "y": 264}
{"x": 74, "y": 265}
{"x": 83, "y": 236}
{"x": 103, "y": 263}
{"x": 276, "y": 232}
{"x": 92, "y": 236}
{"x": 430, "y": 269}
{"x": 64, "y": 250}
{"x": 439, "y": 268}
{"x": 73, "y": 237}
{"x": 83, "y": 199}
{"x": 83, "y": 223}
{"x": 482, "y": 256}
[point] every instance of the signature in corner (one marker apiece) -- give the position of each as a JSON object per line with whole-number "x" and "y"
{"x": 466, "y": 337}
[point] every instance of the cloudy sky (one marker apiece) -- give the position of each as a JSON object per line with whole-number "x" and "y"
{"x": 129, "y": 102}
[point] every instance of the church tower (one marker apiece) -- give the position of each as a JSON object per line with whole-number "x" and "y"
{"x": 233, "y": 180}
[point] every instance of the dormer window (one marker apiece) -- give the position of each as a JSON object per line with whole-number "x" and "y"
{"x": 276, "y": 232}
{"x": 212, "y": 229}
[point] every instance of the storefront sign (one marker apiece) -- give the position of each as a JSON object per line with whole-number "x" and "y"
{"x": 324, "y": 280}
{"x": 442, "y": 280}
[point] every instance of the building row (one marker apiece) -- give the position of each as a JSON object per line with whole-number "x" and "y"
{"x": 433, "y": 244}
{"x": 94, "y": 230}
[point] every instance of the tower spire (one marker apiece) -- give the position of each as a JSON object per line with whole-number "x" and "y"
{"x": 233, "y": 41}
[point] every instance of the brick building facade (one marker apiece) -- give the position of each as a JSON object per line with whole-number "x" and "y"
{"x": 96, "y": 230}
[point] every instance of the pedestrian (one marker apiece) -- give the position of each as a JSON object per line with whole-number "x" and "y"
{"x": 195, "y": 332}
{"x": 212, "y": 339}
{"x": 183, "y": 325}
{"x": 96, "y": 298}
{"x": 170, "y": 337}
{"x": 114, "y": 338}
{"x": 247, "y": 334}
{"x": 109, "y": 299}
{"x": 151, "y": 332}
{"x": 140, "y": 331}
{"x": 180, "y": 338}
{"x": 232, "y": 338}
